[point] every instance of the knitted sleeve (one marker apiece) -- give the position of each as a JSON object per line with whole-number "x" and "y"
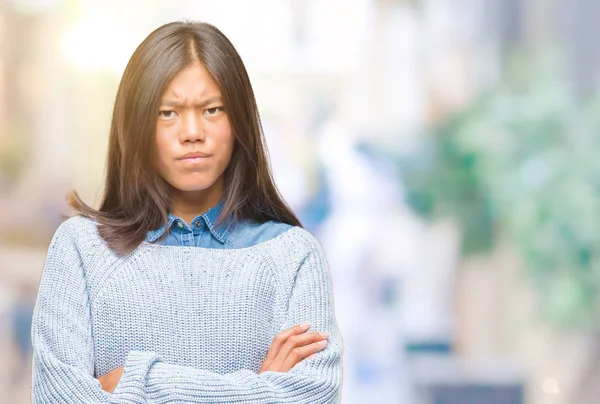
{"x": 63, "y": 353}
{"x": 317, "y": 380}
{"x": 61, "y": 332}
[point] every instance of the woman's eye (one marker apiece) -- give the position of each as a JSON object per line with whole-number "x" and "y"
{"x": 166, "y": 114}
{"x": 213, "y": 111}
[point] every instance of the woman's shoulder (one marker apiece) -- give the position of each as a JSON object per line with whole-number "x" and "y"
{"x": 300, "y": 238}
{"x": 288, "y": 242}
{"x": 291, "y": 251}
{"x": 76, "y": 228}
{"x": 78, "y": 223}
{"x": 248, "y": 233}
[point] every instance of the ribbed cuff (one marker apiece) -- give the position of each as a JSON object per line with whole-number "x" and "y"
{"x": 131, "y": 389}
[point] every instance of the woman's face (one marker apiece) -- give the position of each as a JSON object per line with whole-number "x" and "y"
{"x": 194, "y": 141}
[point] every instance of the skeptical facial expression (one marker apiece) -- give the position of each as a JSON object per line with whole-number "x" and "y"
{"x": 194, "y": 141}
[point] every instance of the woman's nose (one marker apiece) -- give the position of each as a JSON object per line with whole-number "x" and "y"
{"x": 193, "y": 129}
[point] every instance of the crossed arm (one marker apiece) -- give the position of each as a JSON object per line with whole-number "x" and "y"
{"x": 287, "y": 349}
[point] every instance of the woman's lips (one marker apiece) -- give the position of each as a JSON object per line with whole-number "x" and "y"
{"x": 194, "y": 160}
{"x": 194, "y": 155}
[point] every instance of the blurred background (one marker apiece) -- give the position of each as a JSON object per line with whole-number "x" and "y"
{"x": 444, "y": 152}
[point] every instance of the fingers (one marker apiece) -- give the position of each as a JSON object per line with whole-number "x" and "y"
{"x": 292, "y": 346}
{"x": 297, "y": 341}
{"x": 281, "y": 338}
{"x": 300, "y": 353}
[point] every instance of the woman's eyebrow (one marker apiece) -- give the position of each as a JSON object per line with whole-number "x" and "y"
{"x": 174, "y": 103}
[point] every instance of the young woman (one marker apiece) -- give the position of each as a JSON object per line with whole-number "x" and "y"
{"x": 193, "y": 282}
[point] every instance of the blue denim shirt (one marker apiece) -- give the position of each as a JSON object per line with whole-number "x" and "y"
{"x": 204, "y": 232}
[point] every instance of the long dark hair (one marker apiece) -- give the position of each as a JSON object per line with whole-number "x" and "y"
{"x": 136, "y": 199}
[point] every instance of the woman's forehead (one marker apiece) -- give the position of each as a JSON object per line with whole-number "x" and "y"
{"x": 193, "y": 83}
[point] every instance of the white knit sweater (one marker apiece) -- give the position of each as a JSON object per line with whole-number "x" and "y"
{"x": 190, "y": 324}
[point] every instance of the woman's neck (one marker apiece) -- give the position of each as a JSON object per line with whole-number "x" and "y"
{"x": 189, "y": 204}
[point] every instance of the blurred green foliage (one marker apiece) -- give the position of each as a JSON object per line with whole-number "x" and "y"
{"x": 523, "y": 163}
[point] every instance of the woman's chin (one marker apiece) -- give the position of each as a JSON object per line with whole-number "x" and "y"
{"x": 192, "y": 187}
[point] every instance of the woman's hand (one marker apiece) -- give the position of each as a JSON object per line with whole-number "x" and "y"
{"x": 109, "y": 381}
{"x": 292, "y": 346}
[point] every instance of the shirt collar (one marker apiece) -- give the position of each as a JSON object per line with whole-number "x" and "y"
{"x": 211, "y": 217}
